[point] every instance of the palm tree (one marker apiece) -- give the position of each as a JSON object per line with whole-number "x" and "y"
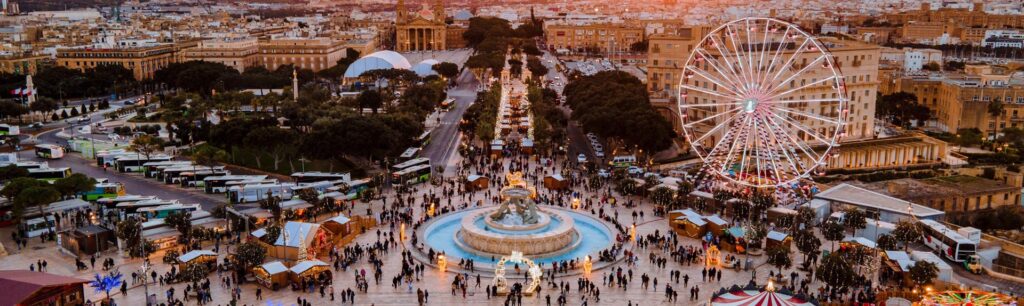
{"x": 995, "y": 109}
{"x": 106, "y": 283}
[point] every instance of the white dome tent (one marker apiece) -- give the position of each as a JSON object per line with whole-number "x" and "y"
{"x": 377, "y": 60}
{"x": 425, "y": 68}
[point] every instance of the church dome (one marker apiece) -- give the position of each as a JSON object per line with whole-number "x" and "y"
{"x": 378, "y": 60}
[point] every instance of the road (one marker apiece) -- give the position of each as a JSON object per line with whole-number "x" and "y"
{"x": 134, "y": 183}
{"x": 578, "y": 141}
{"x": 444, "y": 139}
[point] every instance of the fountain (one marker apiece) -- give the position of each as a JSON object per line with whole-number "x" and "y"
{"x": 517, "y": 225}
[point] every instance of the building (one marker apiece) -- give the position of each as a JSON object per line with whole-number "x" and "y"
{"x": 956, "y": 193}
{"x": 238, "y": 53}
{"x": 960, "y": 101}
{"x": 666, "y": 55}
{"x": 422, "y": 31}
{"x": 928, "y": 32}
{"x": 304, "y": 53}
{"x": 22, "y": 63}
{"x": 597, "y": 37}
{"x": 1003, "y": 42}
{"x": 975, "y": 17}
{"x": 911, "y": 59}
{"x": 897, "y": 152}
{"x": 876, "y": 205}
{"x": 28, "y": 288}
{"x": 143, "y": 61}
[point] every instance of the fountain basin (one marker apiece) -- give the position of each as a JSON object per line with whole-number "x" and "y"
{"x": 526, "y": 238}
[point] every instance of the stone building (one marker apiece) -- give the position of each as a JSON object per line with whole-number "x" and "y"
{"x": 422, "y": 30}
{"x": 143, "y": 61}
{"x": 599, "y": 37}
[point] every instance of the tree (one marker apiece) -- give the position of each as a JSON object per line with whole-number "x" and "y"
{"x": 932, "y": 66}
{"x": 854, "y": 219}
{"x": 194, "y": 273}
{"x": 370, "y": 99}
{"x": 182, "y": 221}
{"x": 887, "y": 242}
{"x": 147, "y": 145}
{"x": 249, "y": 255}
{"x": 807, "y": 243}
{"x": 779, "y": 257}
{"x": 754, "y": 234}
{"x": 74, "y": 184}
{"x": 107, "y": 282}
{"x": 953, "y": 66}
{"x": 833, "y": 231}
{"x": 923, "y": 272}
{"x": 17, "y": 185}
{"x": 902, "y": 107}
{"x": 835, "y": 271}
{"x": 447, "y": 70}
{"x": 130, "y": 232}
{"x": 995, "y": 111}
{"x": 74, "y": 112}
{"x": 208, "y": 156}
{"x": 906, "y": 232}
{"x": 537, "y": 69}
{"x": 968, "y": 137}
{"x": 11, "y": 171}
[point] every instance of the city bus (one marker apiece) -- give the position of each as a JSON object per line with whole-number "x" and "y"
{"x": 172, "y": 175}
{"x": 623, "y": 161}
{"x": 216, "y": 184}
{"x": 106, "y": 158}
{"x": 160, "y": 212}
{"x": 423, "y": 139}
{"x": 447, "y": 104}
{"x": 132, "y": 208}
{"x": 9, "y": 130}
{"x": 49, "y": 174}
{"x": 410, "y": 163}
{"x": 129, "y": 163}
{"x": 154, "y": 168}
{"x": 309, "y": 177}
{"x": 31, "y": 165}
{"x": 49, "y": 151}
{"x": 266, "y": 181}
{"x": 195, "y": 178}
{"x": 946, "y": 241}
{"x": 353, "y": 188}
{"x": 104, "y": 190}
{"x": 409, "y": 153}
{"x": 412, "y": 175}
{"x": 36, "y": 227}
{"x": 111, "y": 203}
{"x": 257, "y": 192}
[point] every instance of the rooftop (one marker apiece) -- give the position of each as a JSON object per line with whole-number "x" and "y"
{"x": 847, "y": 193}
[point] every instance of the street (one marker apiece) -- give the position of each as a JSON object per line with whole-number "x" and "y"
{"x": 444, "y": 138}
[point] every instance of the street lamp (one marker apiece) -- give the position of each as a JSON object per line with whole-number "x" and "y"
{"x": 145, "y": 282}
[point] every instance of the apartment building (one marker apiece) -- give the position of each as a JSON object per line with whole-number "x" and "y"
{"x": 598, "y": 37}
{"x": 239, "y": 53}
{"x": 304, "y": 53}
{"x": 143, "y": 61}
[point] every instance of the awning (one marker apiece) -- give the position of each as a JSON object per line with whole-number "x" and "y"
{"x": 187, "y": 257}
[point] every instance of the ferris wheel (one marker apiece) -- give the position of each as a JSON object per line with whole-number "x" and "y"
{"x": 762, "y": 102}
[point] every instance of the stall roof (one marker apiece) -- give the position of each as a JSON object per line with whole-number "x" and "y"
{"x": 340, "y": 219}
{"x": 777, "y": 236}
{"x": 187, "y": 257}
{"x": 297, "y": 232}
{"x": 702, "y": 194}
{"x": 21, "y": 284}
{"x": 259, "y": 233}
{"x": 274, "y": 267}
{"x": 861, "y": 241}
{"x": 304, "y": 265}
{"x": 695, "y": 220}
{"x": 295, "y": 204}
{"x": 901, "y": 258}
{"x": 716, "y": 220}
{"x": 557, "y": 176}
{"x": 474, "y": 177}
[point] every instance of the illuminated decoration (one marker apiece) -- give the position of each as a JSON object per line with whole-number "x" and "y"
{"x": 430, "y": 211}
{"x": 713, "y": 258}
{"x": 969, "y": 297}
{"x": 442, "y": 263}
{"x": 533, "y": 271}
{"x": 632, "y": 232}
{"x": 762, "y": 103}
{"x": 588, "y": 265}
{"x": 575, "y": 203}
{"x": 401, "y": 232}
{"x": 755, "y": 297}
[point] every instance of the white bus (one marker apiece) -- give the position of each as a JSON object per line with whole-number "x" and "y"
{"x": 309, "y": 177}
{"x": 38, "y": 226}
{"x": 412, "y": 175}
{"x": 195, "y": 178}
{"x": 9, "y": 130}
{"x": 946, "y": 241}
{"x": 112, "y": 203}
{"x": 154, "y": 168}
{"x": 162, "y": 211}
{"x": 106, "y": 158}
{"x": 623, "y": 161}
{"x": 172, "y": 175}
{"x": 134, "y": 163}
{"x": 410, "y": 163}
{"x": 217, "y": 184}
{"x": 254, "y": 193}
{"x": 49, "y": 151}
{"x": 49, "y": 174}
{"x": 409, "y": 153}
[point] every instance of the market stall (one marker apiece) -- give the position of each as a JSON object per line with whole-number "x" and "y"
{"x": 778, "y": 239}
{"x": 556, "y": 182}
{"x": 197, "y": 257}
{"x": 309, "y": 270}
{"x": 272, "y": 275}
{"x": 476, "y": 182}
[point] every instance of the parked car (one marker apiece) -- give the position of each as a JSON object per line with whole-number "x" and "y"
{"x": 599, "y": 154}
{"x": 581, "y": 158}
{"x": 634, "y": 170}
{"x": 604, "y": 173}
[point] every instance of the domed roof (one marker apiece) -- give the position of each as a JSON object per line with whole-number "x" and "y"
{"x": 378, "y": 60}
{"x": 425, "y": 68}
{"x": 463, "y": 15}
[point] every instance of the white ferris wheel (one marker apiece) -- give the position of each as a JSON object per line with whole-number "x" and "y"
{"x": 762, "y": 102}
